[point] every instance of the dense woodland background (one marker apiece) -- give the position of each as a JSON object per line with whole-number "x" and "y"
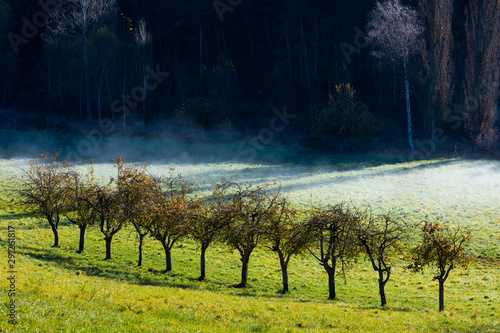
{"x": 230, "y": 63}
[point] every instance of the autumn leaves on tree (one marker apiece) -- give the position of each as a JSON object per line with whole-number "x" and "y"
{"x": 239, "y": 214}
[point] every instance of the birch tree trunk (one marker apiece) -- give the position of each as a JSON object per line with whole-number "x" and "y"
{"x": 408, "y": 109}
{"x": 86, "y": 68}
{"x": 306, "y": 63}
{"x": 124, "y": 107}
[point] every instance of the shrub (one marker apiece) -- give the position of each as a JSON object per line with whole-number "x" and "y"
{"x": 344, "y": 116}
{"x": 205, "y": 112}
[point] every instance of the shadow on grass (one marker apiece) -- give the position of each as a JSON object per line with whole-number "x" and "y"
{"x": 134, "y": 275}
{"x": 390, "y": 307}
{"x": 17, "y": 216}
{"x": 40, "y": 221}
{"x": 402, "y": 170}
{"x": 481, "y": 328}
{"x": 304, "y": 175}
{"x": 124, "y": 274}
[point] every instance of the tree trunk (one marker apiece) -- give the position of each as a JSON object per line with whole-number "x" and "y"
{"x": 86, "y": 69}
{"x": 432, "y": 115}
{"x": 99, "y": 106}
{"x": 250, "y": 44}
{"x": 144, "y": 87}
{"x": 202, "y": 262}
{"x": 53, "y": 225}
{"x": 306, "y": 63}
{"x": 381, "y": 288}
{"x": 124, "y": 107}
{"x": 431, "y": 107}
{"x": 441, "y": 295}
{"x": 141, "y": 241}
{"x": 168, "y": 257}
{"x": 108, "y": 247}
{"x": 244, "y": 270}
{"x": 289, "y": 56}
{"x": 316, "y": 55}
{"x": 284, "y": 272}
{"x": 394, "y": 83}
{"x": 49, "y": 78}
{"x": 4, "y": 93}
{"x": 60, "y": 89}
{"x": 408, "y": 110}
{"x": 99, "y": 99}
{"x": 268, "y": 33}
{"x": 81, "y": 246}
{"x": 109, "y": 95}
{"x": 81, "y": 93}
{"x": 336, "y": 63}
{"x": 332, "y": 291}
{"x": 201, "y": 59}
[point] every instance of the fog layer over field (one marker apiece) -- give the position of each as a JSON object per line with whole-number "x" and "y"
{"x": 460, "y": 191}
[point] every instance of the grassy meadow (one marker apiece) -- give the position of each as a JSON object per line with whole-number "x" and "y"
{"x": 59, "y": 290}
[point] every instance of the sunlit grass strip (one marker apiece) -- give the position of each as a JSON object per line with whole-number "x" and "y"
{"x": 61, "y": 291}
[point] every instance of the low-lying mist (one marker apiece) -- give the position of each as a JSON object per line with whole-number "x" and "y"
{"x": 306, "y": 175}
{"x": 457, "y": 190}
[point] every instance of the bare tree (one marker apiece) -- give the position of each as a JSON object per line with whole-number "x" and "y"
{"x": 284, "y": 235}
{"x": 333, "y": 241}
{"x": 444, "y": 248}
{"x": 436, "y": 16}
{"x": 394, "y": 32}
{"x": 80, "y": 197}
{"x": 167, "y": 212}
{"x": 44, "y": 188}
{"x": 109, "y": 213}
{"x": 80, "y": 18}
{"x": 247, "y": 208}
{"x": 205, "y": 224}
{"x": 482, "y": 71}
{"x": 134, "y": 185}
{"x": 380, "y": 236}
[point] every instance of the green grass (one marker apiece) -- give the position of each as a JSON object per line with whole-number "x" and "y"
{"x": 59, "y": 290}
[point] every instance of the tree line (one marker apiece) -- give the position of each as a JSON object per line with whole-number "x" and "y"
{"x": 239, "y": 214}
{"x": 430, "y": 66}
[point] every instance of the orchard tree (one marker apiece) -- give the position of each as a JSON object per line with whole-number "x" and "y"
{"x": 284, "y": 235}
{"x": 247, "y": 209}
{"x": 109, "y": 213}
{"x": 134, "y": 183}
{"x": 436, "y": 17}
{"x": 80, "y": 199}
{"x": 205, "y": 223}
{"x": 394, "y": 33}
{"x": 379, "y": 237}
{"x": 442, "y": 248}
{"x": 167, "y": 212}
{"x": 44, "y": 187}
{"x": 333, "y": 241}
{"x": 482, "y": 71}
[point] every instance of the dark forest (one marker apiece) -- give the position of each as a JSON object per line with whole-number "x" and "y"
{"x": 331, "y": 71}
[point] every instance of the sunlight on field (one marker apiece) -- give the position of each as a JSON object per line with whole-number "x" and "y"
{"x": 62, "y": 291}
{"x": 459, "y": 191}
